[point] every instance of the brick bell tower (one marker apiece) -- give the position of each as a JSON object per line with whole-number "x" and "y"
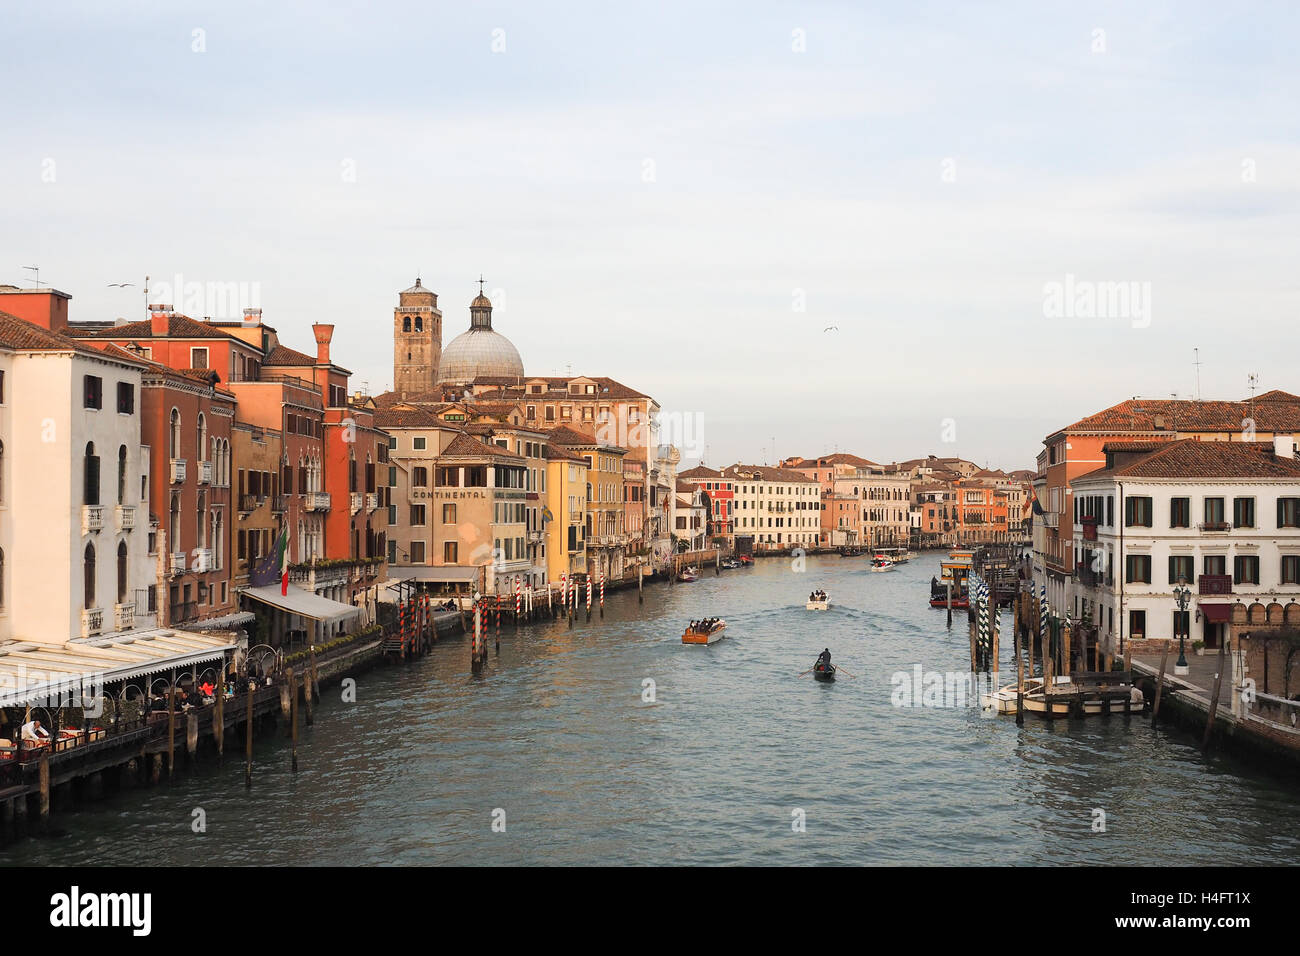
{"x": 417, "y": 341}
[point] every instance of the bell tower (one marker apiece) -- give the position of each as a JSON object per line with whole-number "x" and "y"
{"x": 417, "y": 341}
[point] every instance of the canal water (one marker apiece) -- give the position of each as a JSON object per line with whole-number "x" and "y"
{"x": 736, "y": 760}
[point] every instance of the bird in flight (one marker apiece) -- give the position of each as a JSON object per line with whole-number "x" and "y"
{"x": 119, "y": 285}
{"x": 831, "y": 328}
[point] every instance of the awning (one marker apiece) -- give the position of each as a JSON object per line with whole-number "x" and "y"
{"x": 445, "y": 574}
{"x": 33, "y": 673}
{"x": 302, "y": 602}
{"x": 1216, "y": 612}
{"x": 224, "y": 623}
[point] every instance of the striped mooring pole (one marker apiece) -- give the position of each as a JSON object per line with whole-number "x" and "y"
{"x": 602, "y": 593}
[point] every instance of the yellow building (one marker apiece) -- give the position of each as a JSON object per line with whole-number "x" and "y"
{"x": 565, "y": 516}
{"x": 606, "y": 535}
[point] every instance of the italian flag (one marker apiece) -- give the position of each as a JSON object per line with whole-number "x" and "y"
{"x": 282, "y": 550}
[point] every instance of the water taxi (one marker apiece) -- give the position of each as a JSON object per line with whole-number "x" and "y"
{"x": 688, "y": 575}
{"x": 897, "y": 555}
{"x": 704, "y": 632}
{"x": 880, "y": 564}
{"x": 818, "y": 601}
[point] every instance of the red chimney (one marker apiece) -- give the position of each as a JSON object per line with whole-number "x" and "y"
{"x": 47, "y": 308}
{"x": 323, "y": 333}
{"x": 159, "y": 320}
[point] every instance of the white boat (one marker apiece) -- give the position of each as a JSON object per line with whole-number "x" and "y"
{"x": 880, "y": 564}
{"x": 1003, "y": 701}
{"x": 819, "y": 604}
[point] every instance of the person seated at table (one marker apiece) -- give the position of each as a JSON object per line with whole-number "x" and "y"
{"x": 206, "y": 688}
{"x": 33, "y": 731}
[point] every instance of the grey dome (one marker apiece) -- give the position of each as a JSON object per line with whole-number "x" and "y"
{"x": 479, "y": 353}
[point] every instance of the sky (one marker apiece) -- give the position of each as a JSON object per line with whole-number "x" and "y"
{"x": 890, "y": 229}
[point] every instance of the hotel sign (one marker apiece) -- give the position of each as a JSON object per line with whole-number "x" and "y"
{"x": 418, "y": 493}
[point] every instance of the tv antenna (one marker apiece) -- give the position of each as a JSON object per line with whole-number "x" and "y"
{"x": 1197, "y": 363}
{"x": 36, "y": 270}
{"x": 1252, "y": 381}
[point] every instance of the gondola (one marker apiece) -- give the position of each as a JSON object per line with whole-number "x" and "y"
{"x": 824, "y": 672}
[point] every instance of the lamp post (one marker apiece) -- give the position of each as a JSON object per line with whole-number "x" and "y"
{"x": 1182, "y": 595}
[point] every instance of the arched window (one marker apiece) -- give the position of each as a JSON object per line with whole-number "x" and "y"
{"x": 121, "y": 475}
{"x": 174, "y": 525}
{"x": 121, "y": 572}
{"x": 203, "y": 438}
{"x": 91, "y": 477}
{"x": 202, "y": 519}
{"x": 88, "y": 571}
{"x": 406, "y": 323}
{"x": 175, "y": 436}
{"x": 419, "y": 324}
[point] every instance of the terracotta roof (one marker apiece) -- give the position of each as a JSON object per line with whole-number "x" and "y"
{"x": 766, "y": 473}
{"x": 839, "y": 458}
{"x": 16, "y": 333}
{"x": 564, "y": 435}
{"x": 281, "y": 355}
{"x": 1275, "y": 413}
{"x": 556, "y": 453}
{"x": 1277, "y": 395}
{"x": 1134, "y": 446}
{"x": 178, "y": 327}
{"x": 407, "y": 416}
{"x": 699, "y": 471}
{"x": 558, "y": 387}
{"x": 1194, "y": 459}
{"x": 467, "y": 446}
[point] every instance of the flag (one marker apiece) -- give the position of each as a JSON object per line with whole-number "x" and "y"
{"x": 1038, "y": 509}
{"x": 284, "y": 560}
{"x": 274, "y": 564}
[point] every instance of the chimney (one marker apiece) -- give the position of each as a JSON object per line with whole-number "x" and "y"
{"x": 323, "y": 335}
{"x": 1283, "y": 446}
{"x": 252, "y": 316}
{"x": 47, "y": 308}
{"x": 159, "y": 319}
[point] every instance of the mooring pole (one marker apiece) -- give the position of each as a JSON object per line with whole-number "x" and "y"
{"x": 248, "y": 733}
{"x": 1214, "y": 701}
{"x": 1160, "y": 684}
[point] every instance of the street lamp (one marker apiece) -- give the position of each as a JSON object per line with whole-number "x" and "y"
{"x": 1182, "y": 595}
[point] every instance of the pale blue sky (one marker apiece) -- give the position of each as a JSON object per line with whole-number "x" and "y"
{"x": 774, "y": 171}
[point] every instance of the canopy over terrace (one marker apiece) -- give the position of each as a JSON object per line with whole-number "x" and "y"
{"x": 435, "y": 579}
{"x": 298, "y": 606}
{"x": 44, "y": 674}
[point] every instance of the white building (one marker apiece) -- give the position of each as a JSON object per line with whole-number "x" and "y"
{"x": 75, "y": 559}
{"x": 780, "y": 507}
{"x": 1222, "y": 517}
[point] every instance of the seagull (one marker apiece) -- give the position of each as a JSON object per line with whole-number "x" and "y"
{"x": 831, "y": 328}
{"x": 119, "y": 285}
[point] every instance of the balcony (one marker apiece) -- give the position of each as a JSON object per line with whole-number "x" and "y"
{"x": 249, "y": 503}
{"x": 316, "y": 501}
{"x": 177, "y": 562}
{"x": 534, "y": 537}
{"x": 1215, "y": 526}
{"x": 124, "y": 617}
{"x": 278, "y": 504}
{"x": 92, "y": 518}
{"x": 205, "y": 473}
{"x": 177, "y": 470}
{"x": 372, "y": 501}
{"x": 92, "y": 621}
{"x": 202, "y": 559}
{"x": 1214, "y": 584}
{"x": 358, "y": 500}
{"x": 125, "y": 517}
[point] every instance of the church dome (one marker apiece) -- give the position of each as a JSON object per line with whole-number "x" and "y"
{"x": 480, "y": 352}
